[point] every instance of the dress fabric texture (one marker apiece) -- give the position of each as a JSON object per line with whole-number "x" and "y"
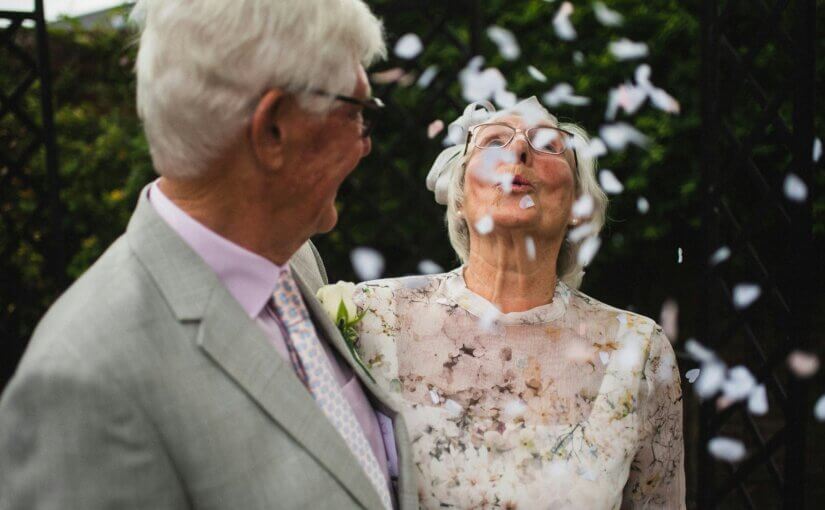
{"x": 573, "y": 404}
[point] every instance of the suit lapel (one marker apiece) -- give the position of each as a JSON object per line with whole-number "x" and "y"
{"x": 240, "y": 348}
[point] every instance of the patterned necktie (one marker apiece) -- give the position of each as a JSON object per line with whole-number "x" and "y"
{"x": 312, "y": 362}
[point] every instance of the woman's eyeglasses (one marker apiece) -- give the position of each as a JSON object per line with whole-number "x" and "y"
{"x": 544, "y": 139}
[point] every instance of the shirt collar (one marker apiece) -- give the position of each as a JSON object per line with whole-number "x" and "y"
{"x": 250, "y": 278}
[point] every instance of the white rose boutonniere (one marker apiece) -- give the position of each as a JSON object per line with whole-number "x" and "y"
{"x": 339, "y": 305}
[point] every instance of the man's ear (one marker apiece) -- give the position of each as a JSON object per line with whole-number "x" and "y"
{"x": 267, "y": 129}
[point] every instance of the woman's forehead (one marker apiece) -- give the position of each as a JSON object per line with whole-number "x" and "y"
{"x": 520, "y": 121}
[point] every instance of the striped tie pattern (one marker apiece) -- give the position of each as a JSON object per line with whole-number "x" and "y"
{"x": 290, "y": 309}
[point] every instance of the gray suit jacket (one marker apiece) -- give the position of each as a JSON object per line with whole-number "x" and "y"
{"x": 147, "y": 386}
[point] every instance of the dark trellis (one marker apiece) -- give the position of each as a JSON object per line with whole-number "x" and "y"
{"x": 767, "y": 50}
{"x": 29, "y": 191}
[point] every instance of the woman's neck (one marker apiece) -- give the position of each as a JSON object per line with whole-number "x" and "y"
{"x": 504, "y": 271}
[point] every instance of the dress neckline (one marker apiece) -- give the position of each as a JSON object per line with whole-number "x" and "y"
{"x": 456, "y": 289}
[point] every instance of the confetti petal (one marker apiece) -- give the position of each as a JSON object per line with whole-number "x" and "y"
{"x": 610, "y": 183}
{"x": 795, "y": 188}
{"x": 583, "y": 207}
{"x": 562, "y": 93}
{"x": 484, "y": 225}
{"x": 727, "y": 449}
{"x": 692, "y": 374}
{"x": 625, "y": 49}
{"x": 738, "y": 384}
{"x": 408, "y": 46}
{"x": 604, "y": 357}
{"x": 720, "y": 255}
{"x": 530, "y": 247}
{"x": 817, "y": 149}
{"x": 388, "y": 76}
{"x": 561, "y": 22}
{"x": 819, "y": 408}
{"x": 526, "y": 202}
{"x": 577, "y": 234}
{"x": 617, "y": 136}
{"x": 536, "y": 74}
{"x": 803, "y": 364}
{"x": 664, "y": 101}
{"x": 679, "y": 256}
{"x": 434, "y": 128}
{"x": 367, "y": 262}
{"x": 606, "y": 16}
{"x": 506, "y": 42}
{"x": 669, "y": 319}
{"x": 588, "y": 250}
{"x": 710, "y": 380}
{"x": 642, "y": 205}
{"x": 435, "y": 397}
{"x": 427, "y": 77}
{"x": 758, "y": 401}
{"x": 745, "y": 294}
{"x": 427, "y": 266}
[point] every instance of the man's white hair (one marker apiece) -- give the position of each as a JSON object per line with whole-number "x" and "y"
{"x": 203, "y": 65}
{"x": 568, "y": 269}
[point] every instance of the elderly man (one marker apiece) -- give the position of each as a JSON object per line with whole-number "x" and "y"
{"x": 191, "y": 366}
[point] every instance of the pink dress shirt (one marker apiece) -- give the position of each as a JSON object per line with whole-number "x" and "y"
{"x": 251, "y": 280}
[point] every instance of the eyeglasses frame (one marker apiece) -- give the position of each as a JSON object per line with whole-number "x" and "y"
{"x": 372, "y": 104}
{"x": 471, "y": 132}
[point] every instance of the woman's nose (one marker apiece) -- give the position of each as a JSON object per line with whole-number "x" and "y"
{"x": 522, "y": 148}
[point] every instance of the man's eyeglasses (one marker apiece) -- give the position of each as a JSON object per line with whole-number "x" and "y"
{"x": 371, "y": 109}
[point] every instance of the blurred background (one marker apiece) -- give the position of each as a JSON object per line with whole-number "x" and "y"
{"x": 723, "y": 173}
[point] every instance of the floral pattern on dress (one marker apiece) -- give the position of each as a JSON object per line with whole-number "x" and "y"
{"x": 574, "y": 404}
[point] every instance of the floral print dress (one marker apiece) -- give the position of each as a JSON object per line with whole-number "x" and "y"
{"x": 574, "y": 404}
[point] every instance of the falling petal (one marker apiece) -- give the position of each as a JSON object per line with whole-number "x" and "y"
{"x": 583, "y": 207}
{"x": 367, "y": 262}
{"x": 427, "y": 266}
{"x": 604, "y": 357}
{"x": 745, "y": 294}
{"x": 561, "y": 22}
{"x": 669, "y": 319}
{"x": 618, "y": 135}
{"x": 594, "y": 149}
{"x": 758, "y": 401}
{"x": 699, "y": 352}
{"x": 526, "y": 202}
{"x": 388, "y": 76}
{"x": 478, "y": 85}
{"x": 504, "y": 98}
{"x": 679, "y": 255}
{"x": 435, "y": 397}
{"x": 803, "y": 364}
{"x": 664, "y": 101}
{"x": 642, "y": 205}
{"x": 795, "y": 188}
{"x": 484, "y": 225}
{"x": 489, "y": 318}
{"x": 578, "y": 58}
{"x": 562, "y": 93}
{"x": 427, "y": 77}
{"x": 408, "y": 46}
{"x": 819, "y": 408}
{"x": 610, "y": 183}
{"x": 720, "y": 255}
{"x": 738, "y": 384}
{"x": 536, "y": 74}
{"x": 627, "y": 97}
{"x": 434, "y": 128}
{"x": 727, "y": 449}
{"x": 817, "y": 149}
{"x": 588, "y": 250}
{"x": 692, "y": 374}
{"x": 530, "y": 247}
{"x": 625, "y": 49}
{"x": 606, "y": 16}
{"x": 577, "y": 234}
{"x": 506, "y": 42}
{"x": 711, "y": 378}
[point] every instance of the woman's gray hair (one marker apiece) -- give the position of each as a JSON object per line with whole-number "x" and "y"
{"x": 203, "y": 65}
{"x": 448, "y": 175}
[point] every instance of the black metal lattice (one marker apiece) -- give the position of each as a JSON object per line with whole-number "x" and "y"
{"x": 758, "y": 112}
{"x": 30, "y": 231}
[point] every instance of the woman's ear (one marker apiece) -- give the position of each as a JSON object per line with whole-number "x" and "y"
{"x": 267, "y": 129}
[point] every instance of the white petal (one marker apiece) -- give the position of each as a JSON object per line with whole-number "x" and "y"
{"x": 427, "y": 266}
{"x": 692, "y": 375}
{"x": 526, "y": 202}
{"x": 642, "y": 205}
{"x": 594, "y": 149}
{"x": 618, "y": 135}
{"x": 610, "y": 183}
{"x": 530, "y": 247}
{"x": 506, "y": 42}
{"x": 745, "y": 294}
{"x": 795, "y": 188}
{"x": 819, "y": 409}
{"x": 711, "y": 378}
{"x": 577, "y": 234}
{"x": 727, "y": 449}
{"x": 435, "y": 397}
{"x": 625, "y": 49}
{"x": 739, "y": 383}
{"x": 606, "y": 16}
{"x": 679, "y": 255}
{"x": 367, "y": 262}
{"x": 488, "y": 319}
{"x": 642, "y": 76}
{"x": 817, "y": 149}
{"x": 561, "y": 22}
{"x": 583, "y": 207}
{"x": 388, "y": 76}
{"x": 720, "y": 255}
{"x": 758, "y": 401}
{"x": 699, "y": 352}
{"x": 484, "y": 225}
{"x": 536, "y": 74}
{"x": 588, "y": 250}
{"x": 562, "y": 93}
{"x": 434, "y": 128}
{"x": 803, "y": 364}
{"x": 669, "y": 319}
{"x": 408, "y": 46}
{"x": 578, "y": 57}
{"x": 664, "y": 101}
{"x": 427, "y": 77}
{"x": 504, "y": 98}
{"x": 604, "y": 357}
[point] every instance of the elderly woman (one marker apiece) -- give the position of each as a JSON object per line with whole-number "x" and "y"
{"x": 519, "y": 390}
